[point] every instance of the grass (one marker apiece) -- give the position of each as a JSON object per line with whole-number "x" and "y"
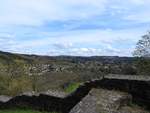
{"x": 72, "y": 87}
{"x": 22, "y": 111}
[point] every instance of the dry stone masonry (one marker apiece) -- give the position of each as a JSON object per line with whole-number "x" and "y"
{"x": 139, "y": 90}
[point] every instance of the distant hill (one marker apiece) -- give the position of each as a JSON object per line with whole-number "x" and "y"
{"x": 66, "y": 61}
{"x": 21, "y": 72}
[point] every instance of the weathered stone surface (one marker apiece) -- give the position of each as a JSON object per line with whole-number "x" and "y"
{"x": 55, "y": 93}
{"x": 129, "y": 77}
{"x": 106, "y": 101}
{"x": 110, "y": 100}
{"x": 100, "y": 100}
{"x": 4, "y": 98}
{"x": 49, "y": 93}
{"x": 86, "y": 105}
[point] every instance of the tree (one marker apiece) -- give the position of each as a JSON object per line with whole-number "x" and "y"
{"x": 143, "y": 47}
{"x": 142, "y": 51}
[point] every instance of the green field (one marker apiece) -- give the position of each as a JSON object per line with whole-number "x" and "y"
{"x": 22, "y": 111}
{"x": 72, "y": 87}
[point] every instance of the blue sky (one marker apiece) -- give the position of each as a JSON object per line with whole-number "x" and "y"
{"x": 73, "y": 27}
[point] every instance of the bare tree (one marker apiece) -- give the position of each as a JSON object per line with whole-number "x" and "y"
{"x": 143, "y": 47}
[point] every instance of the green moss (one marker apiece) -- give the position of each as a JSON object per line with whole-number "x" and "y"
{"x": 72, "y": 87}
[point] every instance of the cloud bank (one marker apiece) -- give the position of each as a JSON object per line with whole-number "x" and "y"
{"x": 73, "y": 27}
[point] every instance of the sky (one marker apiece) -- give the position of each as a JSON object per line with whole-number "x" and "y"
{"x": 73, "y": 27}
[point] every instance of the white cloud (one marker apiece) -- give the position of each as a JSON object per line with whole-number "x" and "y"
{"x": 140, "y": 2}
{"x": 87, "y": 36}
{"x": 138, "y": 11}
{"x": 35, "y": 13}
{"x": 64, "y": 45}
{"x": 139, "y": 17}
{"x": 87, "y": 42}
{"x": 84, "y": 51}
{"x": 91, "y": 52}
{"x": 7, "y": 41}
{"x": 76, "y": 52}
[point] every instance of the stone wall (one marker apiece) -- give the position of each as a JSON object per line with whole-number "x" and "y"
{"x": 41, "y": 102}
{"x": 140, "y": 91}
